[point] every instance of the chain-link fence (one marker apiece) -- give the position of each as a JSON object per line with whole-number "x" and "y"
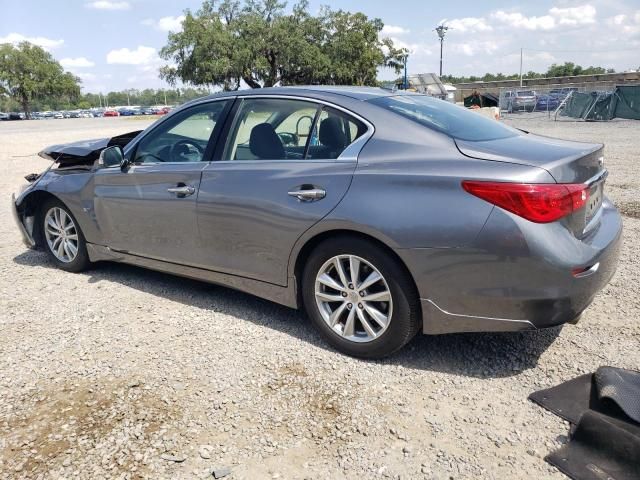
{"x": 532, "y": 101}
{"x": 547, "y": 100}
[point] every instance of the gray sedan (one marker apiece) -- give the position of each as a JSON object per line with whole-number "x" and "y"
{"x": 381, "y": 214}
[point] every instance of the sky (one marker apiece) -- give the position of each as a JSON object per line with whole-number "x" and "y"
{"x": 113, "y": 44}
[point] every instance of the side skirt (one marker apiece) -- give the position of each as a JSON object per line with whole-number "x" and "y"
{"x": 283, "y": 295}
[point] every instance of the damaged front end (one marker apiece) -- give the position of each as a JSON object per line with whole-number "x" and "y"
{"x": 68, "y": 159}
{"x": 84, "y": 154}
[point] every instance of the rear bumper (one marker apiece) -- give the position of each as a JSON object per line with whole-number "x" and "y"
{"x": 27, "y": 237}
{"x": 517, "y": 276}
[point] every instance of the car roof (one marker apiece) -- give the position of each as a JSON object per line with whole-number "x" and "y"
{"x": 315, "y": 91}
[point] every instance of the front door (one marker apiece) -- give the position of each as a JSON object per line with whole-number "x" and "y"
{"x": 149, "y": 209}
{"x": 282, "y": 170}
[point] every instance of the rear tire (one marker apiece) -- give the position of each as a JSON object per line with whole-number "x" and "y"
{"x": 330, "y": 298}
{"x": 62, "y": 238}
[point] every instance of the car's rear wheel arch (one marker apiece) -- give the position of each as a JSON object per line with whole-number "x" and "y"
{"x": 312, "y": 243}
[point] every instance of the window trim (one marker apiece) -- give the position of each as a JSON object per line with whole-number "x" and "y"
{"x": 349, "y": 154}
{"x": 209, "y": 152}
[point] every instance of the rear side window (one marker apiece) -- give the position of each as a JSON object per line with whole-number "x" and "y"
{"x": 445, "y": 117}
{"x": 290, "y": 129}
{"x": 333, "y": 132}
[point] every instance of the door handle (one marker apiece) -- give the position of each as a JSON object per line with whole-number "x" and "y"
{"x": 182, "y": 190}
{"x": 308, "y": 195}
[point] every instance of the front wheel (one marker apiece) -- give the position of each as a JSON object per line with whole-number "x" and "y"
{"x": 360, "y": 298}
{"x": 62, "y": 238}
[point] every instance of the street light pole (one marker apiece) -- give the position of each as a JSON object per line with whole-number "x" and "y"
{"x": 441, "y": 30}
{"x": 406, "y": 85}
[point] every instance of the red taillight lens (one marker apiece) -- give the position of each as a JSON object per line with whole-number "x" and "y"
{"x": 537, "y": 202}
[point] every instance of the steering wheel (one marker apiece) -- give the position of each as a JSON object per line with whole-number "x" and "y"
{"x": 288, "y": 139}
{"x": 181, "y": 150}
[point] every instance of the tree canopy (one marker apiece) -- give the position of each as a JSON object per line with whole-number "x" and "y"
{"x": 28, "y": 72}
{"x": 261, "y": 44}
{"x": 568, "y": 69}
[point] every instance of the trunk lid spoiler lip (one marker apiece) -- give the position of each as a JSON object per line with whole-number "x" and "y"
{"x": 531, "y": 150}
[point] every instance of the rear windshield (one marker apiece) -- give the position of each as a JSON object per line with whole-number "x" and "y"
{"x": 445, "y": 117}
{"x": 526, "y": 93}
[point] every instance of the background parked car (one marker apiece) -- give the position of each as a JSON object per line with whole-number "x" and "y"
{"x": 111, "y": 113}
{"x": 520, "y": 100}
{"x": 548, "y": 102}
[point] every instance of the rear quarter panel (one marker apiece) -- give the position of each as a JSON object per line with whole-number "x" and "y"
{"x": 407, "y": 192}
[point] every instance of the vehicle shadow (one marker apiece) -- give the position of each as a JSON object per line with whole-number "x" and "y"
{"x": 481, "y": 355}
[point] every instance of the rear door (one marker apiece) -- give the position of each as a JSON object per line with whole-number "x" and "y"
{"x": 149, "y": 209}
{"x": 285, "y": 165}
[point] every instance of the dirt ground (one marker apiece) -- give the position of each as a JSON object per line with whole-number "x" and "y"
{"x": 120, "y": 372}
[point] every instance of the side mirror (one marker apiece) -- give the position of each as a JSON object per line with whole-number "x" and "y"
{"x": 111, "y": 157}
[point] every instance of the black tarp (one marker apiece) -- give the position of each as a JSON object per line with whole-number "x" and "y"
{"x": 623, "y": 102}
{"x": 488, "y": 100}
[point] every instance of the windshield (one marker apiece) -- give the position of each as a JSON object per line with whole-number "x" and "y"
{"x": 445, "y": 117}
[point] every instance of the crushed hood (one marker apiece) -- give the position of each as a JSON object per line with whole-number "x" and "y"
{"x": 85, "y": 151}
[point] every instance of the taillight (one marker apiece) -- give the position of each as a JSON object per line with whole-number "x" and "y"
{"x": 537, "y": 202}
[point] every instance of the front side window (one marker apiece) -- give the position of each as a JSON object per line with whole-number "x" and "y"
{"x": 183, "y": 137}
{"x": 452, "y": 120}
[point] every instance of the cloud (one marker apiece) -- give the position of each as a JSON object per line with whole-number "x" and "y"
{"x": 473, "y": 48}
{"x": 165, "y": 24}
{"x": 394, "y": 30}
{"x": 140, "y": 56}
{"x": 468, "y": 24}
{"x": 80, "y": 62}
{"x": 517, "y": 20}
{"x": 171, "y": 24}
{"x": 617, "y": 20}
{"x": 108, "y": 5}
{"x": 581, "y": 15}
{"x": 46, "y": 43}
{"x": 555, "y": 18}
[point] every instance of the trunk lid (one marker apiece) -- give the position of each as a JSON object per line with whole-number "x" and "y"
{"x": 566, "y": 161}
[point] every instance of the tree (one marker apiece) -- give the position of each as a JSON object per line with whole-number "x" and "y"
{"x": 27, "y": 72}
{"x": 260, "y": 44}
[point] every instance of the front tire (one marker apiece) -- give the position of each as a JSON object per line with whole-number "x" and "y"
{"x": 361, "y": 300}
{"x": 62, "y": 238}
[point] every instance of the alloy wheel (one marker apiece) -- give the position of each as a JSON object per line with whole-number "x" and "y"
{"x": 61, "y": 234}
{"x": 353, "y": 297}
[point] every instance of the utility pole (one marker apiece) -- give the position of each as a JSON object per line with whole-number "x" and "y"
{"x": 406, "y": 85}
{"x": 521, "y": 66}
{"x": 441, "y": 30}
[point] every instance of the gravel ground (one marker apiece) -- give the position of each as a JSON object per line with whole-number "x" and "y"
{"x": 125, "y": 373}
